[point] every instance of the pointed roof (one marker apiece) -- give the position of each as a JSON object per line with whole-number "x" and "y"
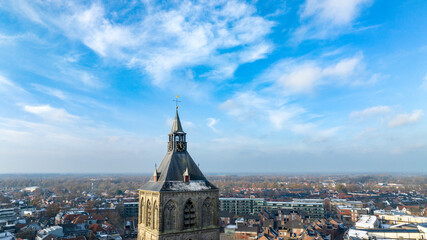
{"x": 170, "y": 173}
{"x": 176, "y": 126}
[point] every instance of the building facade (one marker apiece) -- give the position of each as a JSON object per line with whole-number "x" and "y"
{"x": 7, "y": 214}
{"x": 130, "y": 209}
{"x": 312, "y": 209}
{"x": 242, "y": 206}
{"x": 178, "y": 203}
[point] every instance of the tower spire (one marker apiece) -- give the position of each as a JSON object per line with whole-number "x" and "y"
{"x": 176, "y": 126}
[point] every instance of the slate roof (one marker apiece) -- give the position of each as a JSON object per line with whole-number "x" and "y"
{"x": 171, "y": 169}
{"x": 74, "y": 229}
{"x": 84, "y": 218}
{"x": 294, "y": 224}
{"x": 243, "y": 228}
{"x": 176, "y": 126}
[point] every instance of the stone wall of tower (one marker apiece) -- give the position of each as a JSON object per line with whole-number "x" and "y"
{"x": 148, "y": 217}
{"x": 171, "y": 208}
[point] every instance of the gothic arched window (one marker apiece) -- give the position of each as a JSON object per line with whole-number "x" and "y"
{"x": 189, "y": 215}
{"x": 148, "y": 216}
{"x": 141, "y": 210}
{"x": 155, "y": 215}
{"x": 169, "y": 216}
{"x": 207, "y": 213}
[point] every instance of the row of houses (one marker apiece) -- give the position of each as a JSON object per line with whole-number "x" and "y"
{"x": 282, "y": 224}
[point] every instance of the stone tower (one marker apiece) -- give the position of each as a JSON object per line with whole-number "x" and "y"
{"x": 178, "y": 202}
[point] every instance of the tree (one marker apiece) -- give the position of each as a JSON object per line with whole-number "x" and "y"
{"x": 26, "y": 234}
{"x": 4, "y": 199}
{"x": 52, "y": 210}
{"x": 341, "y": 188}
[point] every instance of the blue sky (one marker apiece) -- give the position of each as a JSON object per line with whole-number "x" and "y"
{"x": 266, "y": 86}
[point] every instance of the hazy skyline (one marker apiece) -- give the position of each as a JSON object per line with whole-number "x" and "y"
{"x": 266, "y": 86}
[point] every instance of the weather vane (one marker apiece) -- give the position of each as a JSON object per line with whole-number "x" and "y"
{"x": 176, "y": 101}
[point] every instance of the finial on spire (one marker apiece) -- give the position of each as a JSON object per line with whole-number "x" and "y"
{"x": 176, "y": 101}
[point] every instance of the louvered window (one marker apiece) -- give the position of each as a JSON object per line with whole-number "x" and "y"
{"x": 189, "y": 215}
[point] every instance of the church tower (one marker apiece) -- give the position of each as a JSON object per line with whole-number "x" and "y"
{"x": 178, "y": 203}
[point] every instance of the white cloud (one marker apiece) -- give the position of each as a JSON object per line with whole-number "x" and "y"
{"x": 245, "y": 105}
{"x": 211, "y": 122}
{"x": 404, "y": 119}
{"x": 377, "y": 110}
{"x": 278, "y": 117}
{"x": 373, "y": 79}
{"x": 72, "y": 58}
{"x": 79, "y": 78}
{"x": 299, "y": 76}
{"x": 255, "y": 52}
{"x": 89, "y": 80}
{"x": 302, "y": 79}
{"x": 51, "y": 91}
{"x": 6, "y": 38}
{"x": 285, "y": 78}
{"x": 50, "y": 113}
{"x": 313, "y": 133}
{"x": 250, "y": 107}
{"x": 365, "y": 133}
{"x": 332, "y": 11}
{"x": 165, "y": 40}
{"x": 95, "y": 31}
{"x": 343, "y": 68}
{"x": 4, "y": 82}
{"x": 25, "y": 37}
{"x": 51, "y": 147}
{"x": 11, "y": 89}
{"x": 327, "y": 18}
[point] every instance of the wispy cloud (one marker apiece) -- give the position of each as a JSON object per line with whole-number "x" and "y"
{"x": 4, "y": 82}
{"x": 278, "y": 117}
{"x": 14, "y": 39}
{"x": 245, "y": 106}
{"x": 314, "y": 133}
{"x": 80, "y": 78}
{"x": 377, "y": 110}
{"x": 51, "y": 91}
{"x": 211, "y": 122}
{"x": 51, "y": 147}
{"x": 252, "y": 107}
{"x": 298, "y": 76}
{"x": 8, "y": 85}
{"x": 290, "y": 78}
{"x": 365, "y": 133}
{"x": 167, "y": 39}
{"x": 327, "y": 18}
{"x": 50, "y": 113}
{"x": 404, "y": 119}
{"x": 11, "y": 92}
{"x": 7, "y": 39}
